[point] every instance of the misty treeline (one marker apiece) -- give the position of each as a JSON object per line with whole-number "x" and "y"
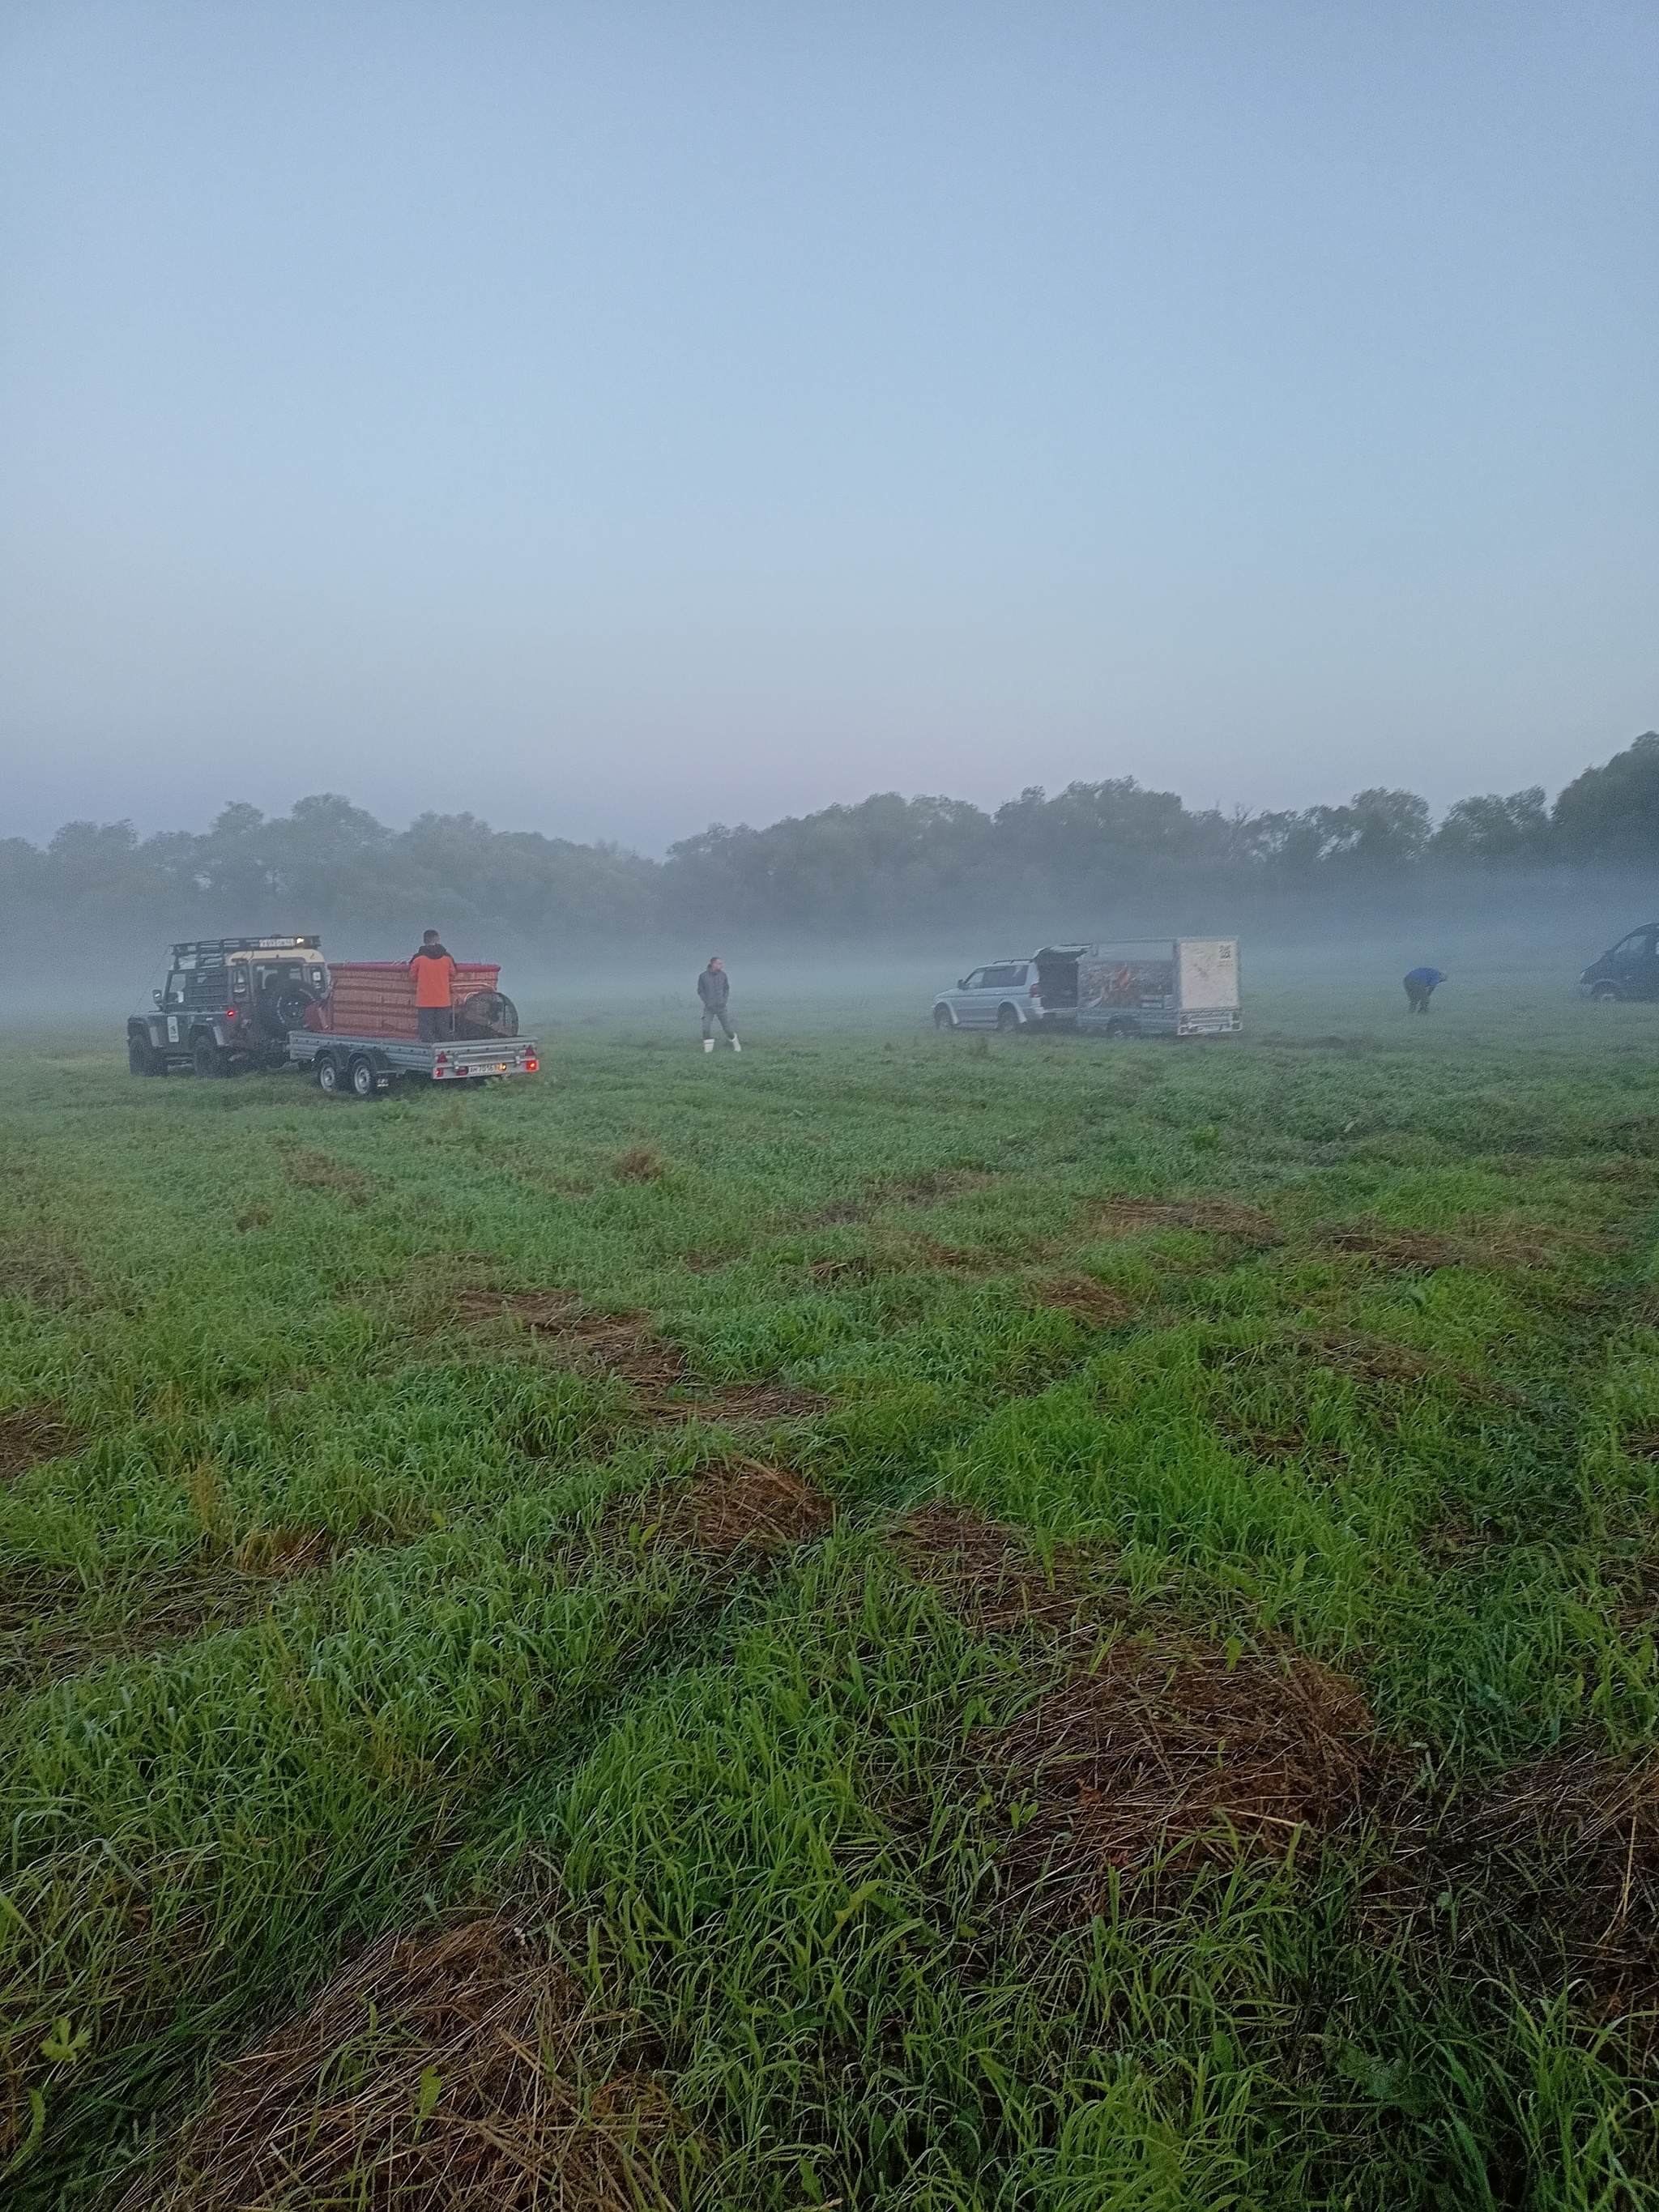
{"x": 1092, "y": 847}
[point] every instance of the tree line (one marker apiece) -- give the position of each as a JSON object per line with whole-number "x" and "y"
{"x": 883, "y": 862}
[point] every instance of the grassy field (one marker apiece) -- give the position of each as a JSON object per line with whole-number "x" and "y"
{"x": 893, "y": 1621}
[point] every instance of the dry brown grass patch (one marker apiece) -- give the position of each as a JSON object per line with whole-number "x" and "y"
{"x": 1410, "y": 1251}
{"x": 33, "y": 1268}
{"x": 457, "y": 2072}
{"x": 933, "y": 1184}
{"x": 639, "y": 1163}
{"x": 620, "y": 1345}
{"x": 30, "y": 1435}
{"x": 1162, "y": 1751}
{"x": 832, "y": 1216}
{"x": 739, "y": 1505}
{"x": 316, "y": 1171}
{"x": 987, "y": 1571}
{"x": 1093, "y": 1301}
{"x": 739, "y": 1402}
{"x": 1223, "y": 1217}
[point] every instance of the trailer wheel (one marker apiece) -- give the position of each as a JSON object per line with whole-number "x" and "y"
{"x": 1118, "y": 1030}
{"x": 328, "y": 1074}
{"x": 361, "y": 1077}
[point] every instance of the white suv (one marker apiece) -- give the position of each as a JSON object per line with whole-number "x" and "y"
{"x": 1004, "y": 996}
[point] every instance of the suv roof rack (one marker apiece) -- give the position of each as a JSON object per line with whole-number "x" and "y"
{"x": 200, "y": 944}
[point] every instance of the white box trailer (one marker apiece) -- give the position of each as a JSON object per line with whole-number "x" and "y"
{"x": 1160, "y": 986}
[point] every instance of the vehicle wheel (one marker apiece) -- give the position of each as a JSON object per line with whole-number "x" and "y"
{"x": 944, "y": 1019}
{"x": 487, "y": 1013}
{"x": 1604, "y": 993}
{"x": 1007, "y": 1020}
{"x": 361, "y": 1077}
{"x": 328, "y": 1074}
{"x": 286, "y": 1007}
{"x": 1118, "y": 1029}
{"x": 143, "y": 1059}
{"x": 206, "y": 1059}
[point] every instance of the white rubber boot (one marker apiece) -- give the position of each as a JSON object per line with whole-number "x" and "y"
{"x": 736, "y": 1047}
{"x": 709, "y": 1044}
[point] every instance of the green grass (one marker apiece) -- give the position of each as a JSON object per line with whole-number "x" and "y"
{"x": 320, "y": 1622}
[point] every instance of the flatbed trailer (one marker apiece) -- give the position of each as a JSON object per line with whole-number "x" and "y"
{"x": 366, "y": 1066}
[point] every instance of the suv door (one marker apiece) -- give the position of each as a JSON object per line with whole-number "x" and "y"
{"x": 966, "y": 1000}
{"x": 1004, "y": 985}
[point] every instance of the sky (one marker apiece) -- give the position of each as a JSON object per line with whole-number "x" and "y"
{"x": 614, "y": 419}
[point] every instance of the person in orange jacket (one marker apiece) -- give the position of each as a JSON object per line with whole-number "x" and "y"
{"x": 434, "y": 972}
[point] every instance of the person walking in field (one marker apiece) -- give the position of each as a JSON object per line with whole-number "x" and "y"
{"x": 434, "y": 972}
{"x": 1420, "y": 988}
{"x": 715, "y": 988}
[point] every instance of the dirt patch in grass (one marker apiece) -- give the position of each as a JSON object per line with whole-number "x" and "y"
{"x": 620, "y": 1345}
{"x": 639, "y": 1163}
{"x": 462, "y": 2071}
{"x": 740, "y": 1504}
{"x": 52, "y": 1625}
{"x": 1554, "y": 1867}
{"x": 1284, "y": 1444}
{"x": 832, "y": 1216}
{"x": 32, "y": 1434}
{"x": 1124, "y": 1217}
{"x": 985, "y": 1571}
{"x": 1092, "y": 1302}
{"x": 1162, "y": 1753}
{"x": 1410, "y": 1251}
{"x": 257, "y": 1216}
{"x": 933, "y": 1185}
{"x": 44, "y": 1273}
{"x": 739, "y": 1402}
{"x": 861, "y": 1268}
{"x": 316, "y": 1171}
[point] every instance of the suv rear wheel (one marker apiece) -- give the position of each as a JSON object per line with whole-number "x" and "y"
{"x": 206, "y": 1059}
{"x": 1007, "y": 1020}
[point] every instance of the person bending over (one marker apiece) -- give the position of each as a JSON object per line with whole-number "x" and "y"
{"x": 434, "y": 972}
{"x": 715, "y": 989}
{"x": 1420, "y": 988}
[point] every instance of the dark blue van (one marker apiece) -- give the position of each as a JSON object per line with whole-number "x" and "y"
{"x": 1631, "y": 970}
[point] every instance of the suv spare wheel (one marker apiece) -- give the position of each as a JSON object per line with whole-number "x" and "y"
{"x": 284, "y": 1006}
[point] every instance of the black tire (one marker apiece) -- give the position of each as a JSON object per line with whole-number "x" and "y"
{"x": 1007, "y": 1020}
{"x": 206, "y": 1058}
{"x": 143, "y": 1059}
{"x": 1604, "y": 993}
{"x": 284, "y": 1007}
{"x": 944, "y": 1019}
{"x": 487, "y": 1014}
{"x": 328, "y": 1074}
{"x": 361, "y": 1077}
{"x": 1118, "y": 1030}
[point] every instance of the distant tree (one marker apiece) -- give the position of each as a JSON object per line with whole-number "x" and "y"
{"x": 1612, "y": 812}
{"x": 1494, "y": 828}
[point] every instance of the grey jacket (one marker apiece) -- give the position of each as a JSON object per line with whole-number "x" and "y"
{"x": 713, "y": 987}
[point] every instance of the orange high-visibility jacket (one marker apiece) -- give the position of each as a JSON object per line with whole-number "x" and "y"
{"x": 432, "y": 979}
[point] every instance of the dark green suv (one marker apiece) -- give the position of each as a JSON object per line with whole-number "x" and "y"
{"x": 228, "y": 1003}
